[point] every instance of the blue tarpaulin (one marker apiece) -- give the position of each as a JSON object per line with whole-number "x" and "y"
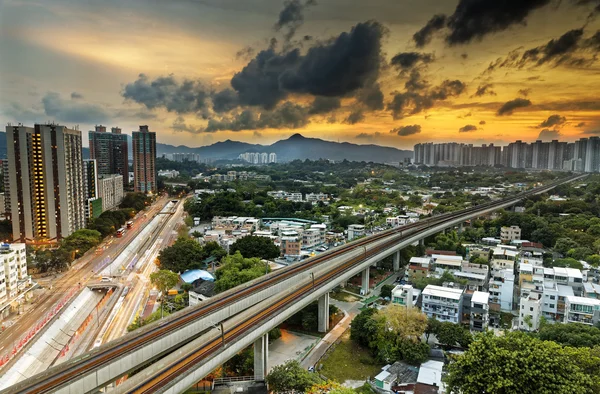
{"x": 193, "y": 275}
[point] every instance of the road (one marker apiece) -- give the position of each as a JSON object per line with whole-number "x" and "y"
{"x": 81, "y": 271}
{"x": 135, "y": 300}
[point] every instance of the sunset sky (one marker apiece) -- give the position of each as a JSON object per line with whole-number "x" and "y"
{"x": 390, "y": 72}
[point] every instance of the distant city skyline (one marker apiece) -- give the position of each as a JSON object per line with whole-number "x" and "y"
{"x": 202, "y": 72}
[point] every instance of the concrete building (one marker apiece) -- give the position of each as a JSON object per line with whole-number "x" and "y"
{"x": 13, "y": 270}
{"x": 355, "y": 231}
{"x": 46, "y": 182}
{"x": 110, "y": 150}
{"x": 312, "y": 237}
{"x": 443, "y": 303}
{"x": 480, "y": 311}
{"x": 530, "y": 312}
{"x": 511, "y": 233}
{"x": 404, "y": 295}
{"x": 272, "y": 157}
{"x": 582, "y": 310}
{"x": 144, "y": 160}
{"x": 110, "y": 189}
{"x": 418, "y": 268}
{"x": 501, "y": 289}
{"x": 291, "y": 246}
{"x": 168, "y": 173}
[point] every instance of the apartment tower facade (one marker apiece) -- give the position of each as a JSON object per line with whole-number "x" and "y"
{"x": 144, "y": 160}
{"x": 110, "y": 150}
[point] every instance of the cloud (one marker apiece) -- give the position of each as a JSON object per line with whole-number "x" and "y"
{"x": 406, "y": 60}
{"x": 76, "y": 96}
{"x": 591, "y": 132}
{"x": 410, "y": 102}
{"x": 524, "y": 92}
{"x": 580, "y": 124}
{"x": 287, "y": 115}
{"x": 371, "y": 97}
{"x": 165, "y": 92}
{"x": 557, "y": 50}
{"x": 257, "y": 134}
{"x": 322, "y": 105}
{"x": 367, "y": 136}
{"x": 291, "y": 16}
{"x": 73, "y": 111}
{"x": 553, "y": 120}
{"x": 355, "y": 116}
{"x": 482, "y": 122}
{"x": 467, "y": 128}
{"x": 484, "y": 89}
{"x": 474, "y": 19}
{"x": 179, "y": 125}
{"x": 423, "y": 36}
{"x": 508, "y": 107}
{"x": 225, "y": 100}
{"x": 549, "y": 135}
{"x": 404, "y": 131}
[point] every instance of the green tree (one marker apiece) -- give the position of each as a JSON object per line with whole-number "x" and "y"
{"x": 137, "y": 201}
{"x": 164, "y": 280}
{"x": 433, "y": 325}
{"x": 517, "y": 363}
{"x": 81, "y": 241}
{"x": 450, "y": 334}
{"x": 235, "y": 270}
{"x": 183, "y": 255}
{"x": 386, "y": 291}
{"x": 362, "y": 330}
{"x": 567, "y": 262}
{"x": 572, "y": 334}
{"x": 252, "y": 246}
{"x": 291, "y": 377}
{"x": 563, "y": 245}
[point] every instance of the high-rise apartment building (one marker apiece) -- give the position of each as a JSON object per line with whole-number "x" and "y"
{"x": 110, "y": 190}
{"x": 144, "y": 160}
{"x": 592, "y": 155}
{"x": 110, "y": 152}
{"x": 90, "y": 178}
{"x": 45, "y": 171}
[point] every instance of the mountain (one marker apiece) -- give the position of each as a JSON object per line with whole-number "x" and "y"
{"x": 295, "y": 147}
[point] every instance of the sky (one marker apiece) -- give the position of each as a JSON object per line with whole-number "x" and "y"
{"x": 387, "y": 72}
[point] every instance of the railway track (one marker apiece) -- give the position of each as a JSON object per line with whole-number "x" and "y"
{"x": 56, "y": 377}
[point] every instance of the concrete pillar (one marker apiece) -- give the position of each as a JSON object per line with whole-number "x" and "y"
{"x": 396, "y": 258}
{"x": 460, "y": 228}
{"x": 323, "y": 314}
{"x": 365, "y": 281}
{"x": 261, "y": 358}
{"x": 422, "y": 242}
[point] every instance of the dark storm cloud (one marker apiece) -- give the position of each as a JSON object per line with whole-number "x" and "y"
{"x": 524, "y": 92}
{"x": 367, "y": 136}
{"x": 508, "y": 107}
{"x": 165, "y": 92}
{"x": 415, "y": 81}
{"x": 482, "y": 122}
{"x": 592, "y": 132}
{"x": 484, "y": 89}
{"x": 71, "y": 111}
{"x": 553, "y": 120}
{"x": 76, "y": 96}
{"x": 355, "y": 116}
{"x": 225, "y": 100}
{"x": 404, "y": 131}
{"x": 557, "y": 50}
{"x": 322, "y": 105}
{"x": 468, "y": 128}
{"x": 423, "y": 36}
{"x": 407, "y": 60}
{"x": 413, "y": 102}
{"x": 371, "y": 97}
{"x": 549, "y": 135}
{"x": 179, "y": 125}
{"x": 474, "y": 19}
{"x": 291, "y": 16}
{"x": 593, "y": 42}
{"x": 287, "y": 115}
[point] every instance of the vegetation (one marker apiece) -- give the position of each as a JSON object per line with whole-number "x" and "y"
{"x": 291, "y": 377}
{"x": 386, "y": 291}
{"x": 164, "y": 280}
{"x": 136, "y": 201}
{"x": 572, "y": 334}
{"x": 235, "y": 270}
{"x": 329, "y": 387}
{"x": 308, "y": 317}
{"x": 253, "y": 246}
{"x": 183, "y": 255}
{"x": 110, "y": 221}
{"x": 349, "y": 360}
{"x": 519, "y": 363}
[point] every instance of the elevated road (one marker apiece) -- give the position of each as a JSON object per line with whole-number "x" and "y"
{"x": 315, "y": 277}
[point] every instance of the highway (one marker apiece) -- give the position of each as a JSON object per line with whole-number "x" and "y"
{"x": 347, "y": 257}
{"x": 82, "y": 271}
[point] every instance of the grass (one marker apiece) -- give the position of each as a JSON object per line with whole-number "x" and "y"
{"x": 348, "y": 360}
{"x": 343, "y": 296}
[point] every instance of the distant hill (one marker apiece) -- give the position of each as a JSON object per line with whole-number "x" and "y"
{"x": 295, "y": 147}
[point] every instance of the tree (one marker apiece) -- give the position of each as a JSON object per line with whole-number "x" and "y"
{"x": 252, "y": 246}
{"x": 563, "y": 245}
{"x": 572, "y": 334}
{"x": 433, "y": 325}
{"x": 183, "y": 255}
{"x": 235, "y": 270}
{"x": 450, "y": 334}
{"x": 164, "y": 280}
{"x": 329, "y": 387}
{"x": 290, "y": 377}
{"x": 407, "y": 323}
{"x": 362, "y": 331}
{"x": 137, "y": 201}
{"x": 386, "y": 291}
{"x": 517, "y": 363}
{"x": 567, "y": 262}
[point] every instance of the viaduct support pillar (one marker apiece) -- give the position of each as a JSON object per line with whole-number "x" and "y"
{"x": 460, "y": 228}
{"x": 422, "y": 242}
{"x": 396, "y": 259}
{"x": 323, "y": 314}
{"x": 261, "y": 357}
{"x": 365, "y": 281}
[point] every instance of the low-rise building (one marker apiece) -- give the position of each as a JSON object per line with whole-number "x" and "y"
{"x": 418, "y": 268}
{"x": 511, "y": 233}
{"x": 355, "y": 231}
{"x": 530, "y": 311}
{"x": 442, "y": 303}
{"x": 312, "y": 237}
{"x": 501, "y": 289}
{"x": 110, "y": 190}
{"x": 404, "y": 295}
{"x": 480, "y": 311}
{"x": 582, "y": 310}
{"x": 13, "y": 271}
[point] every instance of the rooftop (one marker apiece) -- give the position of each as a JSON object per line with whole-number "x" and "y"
{"x": 440, "y": 291}
{"x": 480, "y": 297}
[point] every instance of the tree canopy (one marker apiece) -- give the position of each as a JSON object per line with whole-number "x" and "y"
{"x": 291, "y": 377}
{"x": 184, "y": 254}
{"x": 235, "y": 270}
{"x": 516, "y": 363}
{"x": 164, "y": 280}
{"x": 572, "y": 334}
{"x": 252, "y": 246}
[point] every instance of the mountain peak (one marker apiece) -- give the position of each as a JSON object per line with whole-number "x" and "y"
{"x": 297, "y": 136}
